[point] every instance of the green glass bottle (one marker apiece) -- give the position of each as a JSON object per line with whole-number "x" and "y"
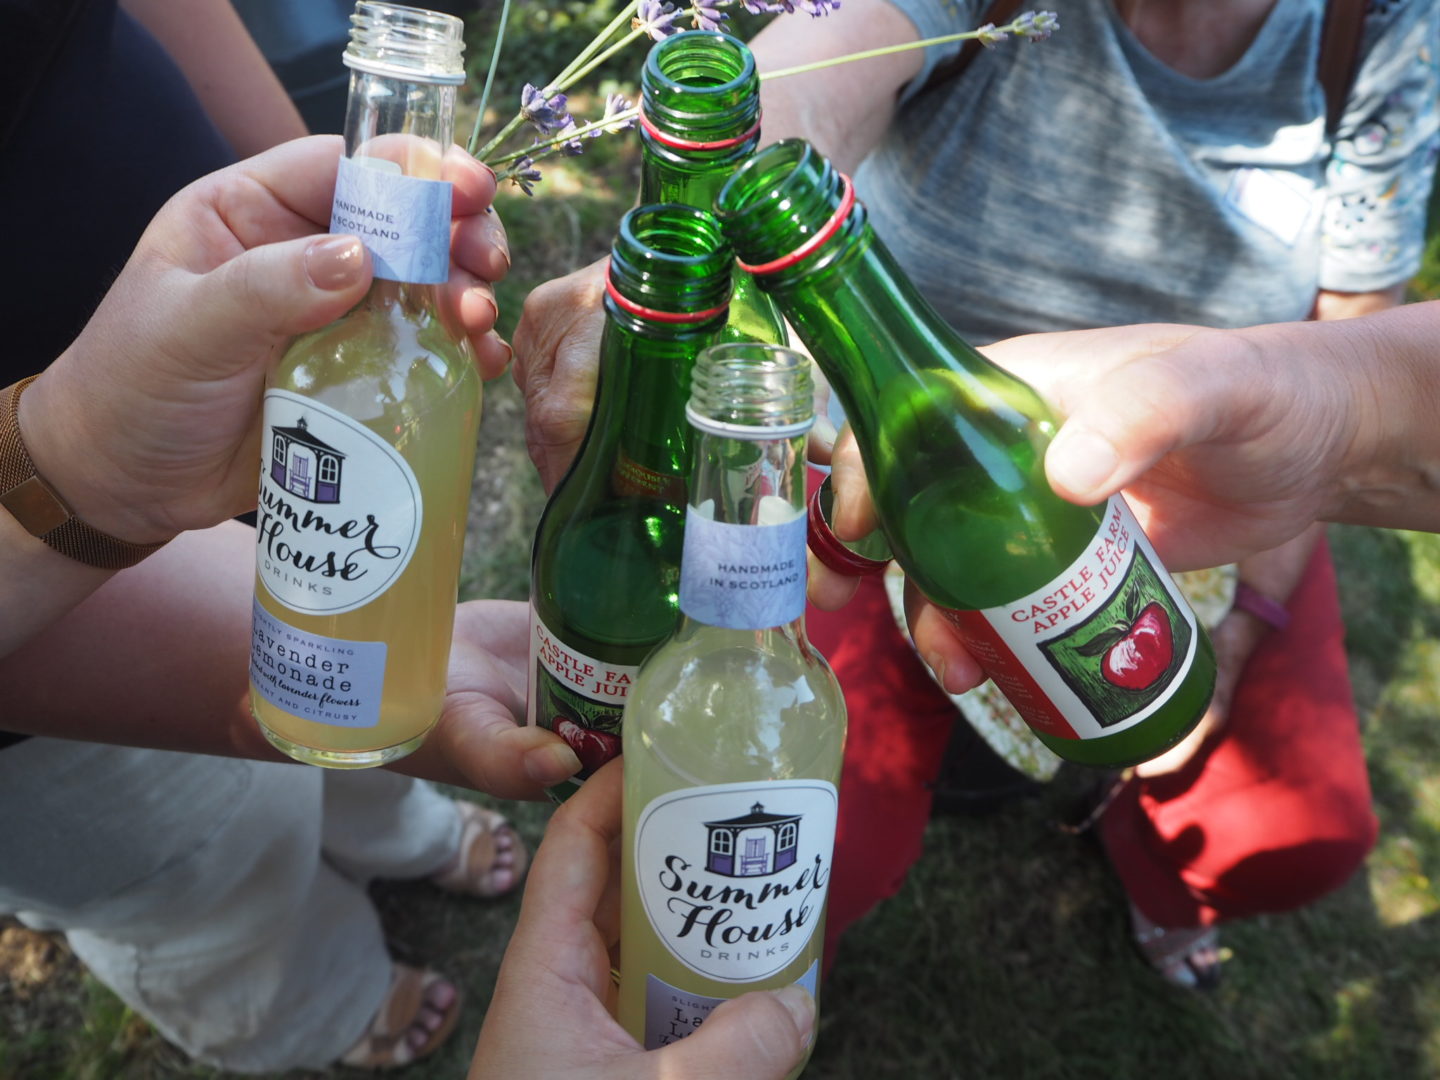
{"x": 605, "y": 570}
{"x": 700, "y": 118}
{"x": 1066, "y": 607}
{"x": 369, "y": 434}
{"x": 735, "y": 728}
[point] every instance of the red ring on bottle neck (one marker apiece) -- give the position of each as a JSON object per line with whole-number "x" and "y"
{"x": 677, "y": 143}
{"x": 831, "y": 551}
{"x": 829, "y": 229}
{"x": 653, "y": 315}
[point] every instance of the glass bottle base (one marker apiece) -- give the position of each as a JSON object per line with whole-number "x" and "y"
{"x": 343, "y": 759}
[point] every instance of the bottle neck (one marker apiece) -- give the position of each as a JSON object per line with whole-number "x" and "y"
{"x": 743, "y": 567}
{"x": 639, "y": 437}
{"x": 691, "y": 177}
{"x": 389, "y": 191}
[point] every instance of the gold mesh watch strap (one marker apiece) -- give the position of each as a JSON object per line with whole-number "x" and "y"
{"x": 39, "y": 508}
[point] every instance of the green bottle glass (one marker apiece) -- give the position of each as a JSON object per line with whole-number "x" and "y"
{"x": 605, "y": 570}
{"x": 369, "y": 434}
{"x": 1066, "y": 607}
{"x": 700, "y": 118}
{"x": 735, "y": 728}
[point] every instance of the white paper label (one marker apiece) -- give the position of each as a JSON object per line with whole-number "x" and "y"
{"x": 576, "y": 696}
{"x": 1279, "y": 202}
{"x": 323, "y": 679}
{"x": 340, "y": 509}
{"x": 671, "y": 1013}
{"x": 1099, "y": 648}
{"x": 733, "y": 877}
{"x": 403, "y": 220}
{"x": 745, "y": 577}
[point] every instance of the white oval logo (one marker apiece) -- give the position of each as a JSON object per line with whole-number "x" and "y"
{"x": 340, "y": 509}
{"x": 733, "y": 877}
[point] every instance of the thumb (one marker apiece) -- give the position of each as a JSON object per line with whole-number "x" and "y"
{"x": 275, "y": 291}
{"x": 761, "y": 1036}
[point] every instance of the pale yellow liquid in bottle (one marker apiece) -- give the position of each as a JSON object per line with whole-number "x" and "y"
{"x": 398, "y": 373}
{"x": 718, "y": 707}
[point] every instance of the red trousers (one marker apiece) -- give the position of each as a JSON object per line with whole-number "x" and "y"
{"x": 1271, "y": 815}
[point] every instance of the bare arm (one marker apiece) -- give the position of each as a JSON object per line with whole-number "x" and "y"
{"x": 842, "y": 110}
{"x": 224, "y": 66}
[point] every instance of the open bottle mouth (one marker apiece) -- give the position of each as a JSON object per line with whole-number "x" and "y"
{"x": 671, "y": 258}
{"x": 406, "y": 43}
{"x": 781, "y": 200}
{"x": 702, "y": 86}
{"x": 750, "y": 390}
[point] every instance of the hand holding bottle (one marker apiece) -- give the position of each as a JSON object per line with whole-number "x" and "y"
{"x": 549, "y": 1016}
{"x": 149, "y": 423}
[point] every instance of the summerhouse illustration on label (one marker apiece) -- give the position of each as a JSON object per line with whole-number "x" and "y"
{"x": 754, "y": 844}
{"x": 305, "y": 465}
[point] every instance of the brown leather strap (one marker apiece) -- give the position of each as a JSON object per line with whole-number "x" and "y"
{"x": 1339, "y": 49}
{"x": 999, "y": 12}
{"x": 41, "y": 510}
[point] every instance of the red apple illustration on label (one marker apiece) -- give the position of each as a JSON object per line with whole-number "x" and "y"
{"x": 1137, "y": 653}
{"x": 592, "y": 747}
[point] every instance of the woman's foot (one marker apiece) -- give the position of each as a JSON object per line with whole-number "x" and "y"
{"x": 492, "y": 858}
{"x": 1187, "y": 956}
{"x": 418, "y": 1014}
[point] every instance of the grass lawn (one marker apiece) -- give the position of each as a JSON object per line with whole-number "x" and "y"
{"x": 1005, "y": 954}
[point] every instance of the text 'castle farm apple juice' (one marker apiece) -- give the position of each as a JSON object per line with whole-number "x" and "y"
{"x": 369, "y": 435}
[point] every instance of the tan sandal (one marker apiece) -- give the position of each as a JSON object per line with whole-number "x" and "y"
{"x": 387, "y": 1044}
{"x": 484, "y": 836}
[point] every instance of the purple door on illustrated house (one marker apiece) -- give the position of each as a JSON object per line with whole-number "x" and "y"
{"x": 753, "y": 844}
{"x": 304, "y": 464}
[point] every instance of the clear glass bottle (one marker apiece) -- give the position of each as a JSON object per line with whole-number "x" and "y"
{"x": 369, "y": 434}
{"x": 700, "y": 118}
{"x": 605, "y": 570}
{"x": 735, "y": 728}
{"x": 1066, "y": 607}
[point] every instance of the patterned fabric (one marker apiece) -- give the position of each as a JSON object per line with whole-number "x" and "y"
{"x": 1202, "y": 201}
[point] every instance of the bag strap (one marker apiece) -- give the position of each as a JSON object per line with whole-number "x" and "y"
{"x": 1335, "y": 68}
{"x": 1339, "y": 51}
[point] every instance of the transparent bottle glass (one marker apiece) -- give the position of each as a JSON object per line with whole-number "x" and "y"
{"x": 1065, "y": 606}
{"x": 700, "y": 95}
{"x": 735, "y": 728}
{"x": 369, "y": 434}
{"x": 605, "y": 569}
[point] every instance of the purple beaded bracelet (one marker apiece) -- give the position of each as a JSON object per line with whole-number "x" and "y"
{"x": 1271, "y": 612}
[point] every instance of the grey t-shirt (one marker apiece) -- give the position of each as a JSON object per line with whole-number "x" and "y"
{"x": 1081, "y": 182}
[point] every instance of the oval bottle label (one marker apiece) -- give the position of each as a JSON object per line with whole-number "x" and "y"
{"x": 340, "y": 509}
{"x": 733, "y": 877}
{"x": 1097, "y": 650}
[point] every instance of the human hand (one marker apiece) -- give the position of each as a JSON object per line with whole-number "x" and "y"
{"x": 482, "y": 739}
{"x": 550, "y": 1014}
{"x": 557, "y": 363}
{"x": 149, "y": 424}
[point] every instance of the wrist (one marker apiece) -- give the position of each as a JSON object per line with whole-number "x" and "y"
{"x": 43, "y": 485}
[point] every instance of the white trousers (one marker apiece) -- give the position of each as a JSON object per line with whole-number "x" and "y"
{"x": 222, "y": 899}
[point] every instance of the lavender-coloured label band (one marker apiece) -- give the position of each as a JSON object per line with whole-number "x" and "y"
{"x": 323, "y": 679}
{"x": 403, "y": 220}
{"x": 744, "y": 577}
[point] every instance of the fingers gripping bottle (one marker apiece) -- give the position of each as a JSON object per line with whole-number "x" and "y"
{"x": 1066, "y": 607}
{"x": 369, "y": 431}
{"x": 605, "y": 569}
{"x": 699, "y": 119}
{"x": 735, "y": 728}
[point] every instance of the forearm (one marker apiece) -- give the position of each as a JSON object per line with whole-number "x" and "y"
{"x": 226, "y": 69}
{"x": 843, "y": 110}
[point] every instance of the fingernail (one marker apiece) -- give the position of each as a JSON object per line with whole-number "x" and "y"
{"x": 550, "y": 764}
{"x": 1081, "y": 460}
{"x": 335, "y": 262}
{"x": 801, "y": 1007}
{"x": 936, "y": 663}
